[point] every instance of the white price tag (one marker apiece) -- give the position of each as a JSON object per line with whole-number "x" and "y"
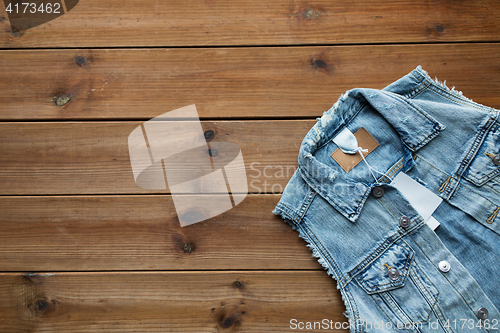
{"x": 421, "y": 198}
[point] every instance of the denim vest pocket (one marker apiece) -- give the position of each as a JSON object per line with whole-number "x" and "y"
{"x": 399, "y": 286}
{"x": 482, "y": 168}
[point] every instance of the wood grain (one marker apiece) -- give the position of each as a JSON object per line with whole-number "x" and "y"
{"x": 93, "y": 157}
{"x": 143, "y": 233}
{"x": 227, "y": 83}
{"x": 283, "y": 22}
{"x": 167, "y": 301}
{"x": 84, "y": 249}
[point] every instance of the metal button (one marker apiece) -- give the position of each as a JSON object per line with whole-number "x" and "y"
{"x": 393, "y": 274}
{"x": 378, "y": 192}
{"x": 404, "y": 221}
{"x": 496, "y": 159}
{"x": 482, "y": 313}
{"x": 444, "y": 266}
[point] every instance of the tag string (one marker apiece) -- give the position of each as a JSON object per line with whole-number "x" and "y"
{"x": 361, "y": 151}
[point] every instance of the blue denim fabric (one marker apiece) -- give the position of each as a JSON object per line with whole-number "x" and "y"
{"x": 440, "y": 139}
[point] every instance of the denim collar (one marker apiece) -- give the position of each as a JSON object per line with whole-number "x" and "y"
{"x": 395, "y": 109}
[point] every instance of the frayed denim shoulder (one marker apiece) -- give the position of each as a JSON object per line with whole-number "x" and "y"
{"x": 443, "y": 85}
{"x": 452, "y": 92}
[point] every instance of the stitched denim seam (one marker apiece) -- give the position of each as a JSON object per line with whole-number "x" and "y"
{"x": 418, "y": 267}
{"x": 406, "y": 315}
{"x": 415, "y": 91}
{"x": 396, "y": 308}
{"x": 363, "y": 199}
{"x": 287, "y": 211}
{"x": 305, "y": 204}
{"x": 417, "y": 220}
{"x": 421, "y": 79}
{"x": 352, "y": 301}
{"x": 478, "y": 194}
{"x": 431, "y": 165}
{"x": 382, "y": 309}
{"x": 418, "y": 90}
{"x": 447, "y": 94}
{"x": 440, "y": 316}
{"x": 421, "y": 288}
{"x": 392, "y": 170}
{"x": 417, "y": 271}
{"x": 419, "y": 75}
{"x": 387, "y": 207}
{"x": 395, "y": 168}
{"x": 484, "y": 178}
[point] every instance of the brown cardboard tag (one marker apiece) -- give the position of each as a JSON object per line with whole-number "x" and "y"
{"x": 347, "y": 161}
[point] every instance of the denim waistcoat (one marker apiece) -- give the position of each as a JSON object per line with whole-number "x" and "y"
{"x": 388, "y": 272}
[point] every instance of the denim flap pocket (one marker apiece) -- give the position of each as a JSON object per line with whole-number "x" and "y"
{"x": 388, "y": 272}
{"x": 398, "y": 286}
{"x": 483, "y": 167}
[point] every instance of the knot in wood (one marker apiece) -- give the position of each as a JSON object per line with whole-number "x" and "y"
{"x": 209, "y": 135}
{"x": 187, "y": 248}
{"x": 62, "y": 99}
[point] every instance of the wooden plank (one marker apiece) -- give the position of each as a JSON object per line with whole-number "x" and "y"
{"x": 93, "y": 157}
{"x": 281, "y": 22}
{"x": 143, "y": 233}
{"x": 227, "y": 82}
{"x": 167, "y": 301}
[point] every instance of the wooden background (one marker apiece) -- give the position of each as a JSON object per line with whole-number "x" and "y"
{"x": 83, "y": 249}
